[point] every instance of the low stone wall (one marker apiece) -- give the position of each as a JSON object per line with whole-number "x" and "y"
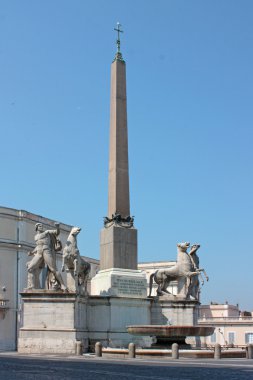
{"x": 155, "y": 353}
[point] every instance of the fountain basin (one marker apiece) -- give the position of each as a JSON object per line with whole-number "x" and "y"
{"x": 170, "y": 331}
{"x": 167, "y": 335}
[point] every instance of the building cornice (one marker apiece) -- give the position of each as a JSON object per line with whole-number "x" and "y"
{"x": 22, "y": 215}
{"x": 226, "y": 321}
{"x": 19, "y": 246}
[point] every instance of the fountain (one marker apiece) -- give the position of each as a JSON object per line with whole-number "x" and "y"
{"x": 174, "y": 317}
{"x": 167, "y": 335}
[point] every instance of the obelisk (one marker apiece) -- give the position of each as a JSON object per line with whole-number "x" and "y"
{"x": 118, "y": 194}
{"x": 118, "y": 275}
{"x": 118, "y": 241}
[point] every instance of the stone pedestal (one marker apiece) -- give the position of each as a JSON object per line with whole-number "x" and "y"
{"x": 52, "y": 323}
{"x": 176, "y": 312}
{"x": 120, "y": 282}
{"x": 118, "y": 248}
{"x": 108, "y": 318}
{"x": 118, "y": 299}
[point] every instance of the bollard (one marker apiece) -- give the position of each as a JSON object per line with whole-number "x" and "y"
{"x": 78, "y": 347}
{"x": 250, "y": 351}
{"x": 217, "y": 351}
{"x": 131, "y": 350}
{"x": 98, "y": 349}
{"x": 174, "y": 351}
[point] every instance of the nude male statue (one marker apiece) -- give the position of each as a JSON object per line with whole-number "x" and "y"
{"x": 44, "y": 254}
{"x": 194, "y": 286}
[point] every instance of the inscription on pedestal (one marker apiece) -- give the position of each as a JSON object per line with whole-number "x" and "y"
{"x": 129, "y": 286}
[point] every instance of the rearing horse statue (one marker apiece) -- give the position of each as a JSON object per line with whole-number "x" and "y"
{"x": 76, "y": 266}
{"x": 182, "y": 269}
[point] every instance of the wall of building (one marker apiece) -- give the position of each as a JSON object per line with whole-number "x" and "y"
{"x": 215, "y": 310}
{"x": 232, "y": 327}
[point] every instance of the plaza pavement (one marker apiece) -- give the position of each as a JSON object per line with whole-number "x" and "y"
{"x": 38, "y": 367}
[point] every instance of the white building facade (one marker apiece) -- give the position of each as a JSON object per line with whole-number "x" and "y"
{"x": 233, "y": 328}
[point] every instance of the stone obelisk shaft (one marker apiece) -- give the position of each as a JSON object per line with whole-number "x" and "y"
{"x": 118, "y": 240}
{"x": 118, "y": 196}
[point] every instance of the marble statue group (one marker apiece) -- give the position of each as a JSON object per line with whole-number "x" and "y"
{"x": 44, "y": 254}
{"x": 186, "y": 269}
{"x": 48, "y": 245}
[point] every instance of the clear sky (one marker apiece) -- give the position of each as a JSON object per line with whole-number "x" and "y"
{"x": 190, "y": 116}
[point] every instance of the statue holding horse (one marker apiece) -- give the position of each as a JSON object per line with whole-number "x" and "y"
{"x": 194, "y": 286}
{"x": 183, "y": 271}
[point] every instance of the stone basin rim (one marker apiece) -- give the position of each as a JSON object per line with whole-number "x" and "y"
{"x": 169, "y": 331}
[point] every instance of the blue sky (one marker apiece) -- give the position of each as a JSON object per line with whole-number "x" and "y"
{"x": 190, "y": 114}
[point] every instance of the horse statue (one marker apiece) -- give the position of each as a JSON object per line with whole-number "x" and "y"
{"x": 77, "y": 268}
{"x": 183, "y": 269}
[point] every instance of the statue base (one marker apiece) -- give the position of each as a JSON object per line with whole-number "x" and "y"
{"x": 52, "y": 323}
{"x": 118, "y": 248}
{"x": 108, "y": 318}
{"x": 177, "y": 312}
{"x": 120, "y": 283}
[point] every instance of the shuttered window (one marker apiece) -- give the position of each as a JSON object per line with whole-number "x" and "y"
{"x": 231, "y": 338}
{"x": 249, "y": 337}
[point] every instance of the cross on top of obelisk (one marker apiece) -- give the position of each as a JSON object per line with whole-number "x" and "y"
{"x": 118, "y": 30}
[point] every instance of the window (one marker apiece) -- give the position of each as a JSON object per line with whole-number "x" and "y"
{"x": 213, "y": 338}
{"x": 249, "y": 337}
{"x": 231, "y": 338}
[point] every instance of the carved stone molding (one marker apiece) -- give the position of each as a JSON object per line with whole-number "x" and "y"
{"x": 118, "y": 220}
